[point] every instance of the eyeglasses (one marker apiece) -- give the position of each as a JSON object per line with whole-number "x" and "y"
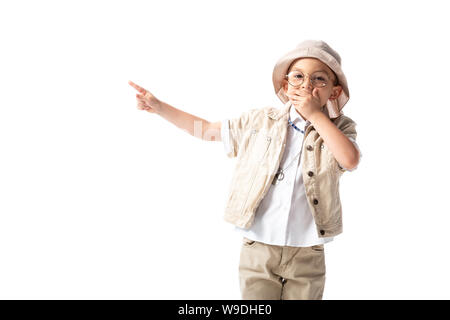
{"x": 318, "y": 79}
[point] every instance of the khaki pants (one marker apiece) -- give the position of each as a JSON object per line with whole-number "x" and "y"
{"x": 269, "y": 272}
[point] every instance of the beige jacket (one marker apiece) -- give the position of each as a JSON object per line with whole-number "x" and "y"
{"x": 258, "y": 140}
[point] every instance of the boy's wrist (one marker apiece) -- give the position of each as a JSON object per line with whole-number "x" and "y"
{"x": 161, "y": 107}
{"x": 316, "y": 117}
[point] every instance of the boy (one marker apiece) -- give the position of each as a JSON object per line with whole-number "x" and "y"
{"x": 284, "y": 196}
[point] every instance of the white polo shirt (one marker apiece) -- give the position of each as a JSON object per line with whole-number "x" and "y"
{"x": 283, "y": 216}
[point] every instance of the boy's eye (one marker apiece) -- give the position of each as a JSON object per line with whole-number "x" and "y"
{"x": 298, "y": 76}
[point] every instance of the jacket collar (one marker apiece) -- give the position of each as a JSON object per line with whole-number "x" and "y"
{"x": 277, "y": 113}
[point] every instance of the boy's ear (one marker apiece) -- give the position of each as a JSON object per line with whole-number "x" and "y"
{"x": 336, "y": 92}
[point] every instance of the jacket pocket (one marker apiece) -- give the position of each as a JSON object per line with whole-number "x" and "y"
{"x": 327, "y": 158}
{"x": 327, "y": 182}
{"x": 258, "y": 145}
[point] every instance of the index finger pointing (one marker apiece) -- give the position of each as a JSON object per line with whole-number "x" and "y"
{"x": 140, "y": 89}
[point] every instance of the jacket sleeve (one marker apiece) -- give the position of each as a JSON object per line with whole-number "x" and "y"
{"x": 225, "y": 136}
{"x": 232, "y": 131}
{"x": 349, "y": 129}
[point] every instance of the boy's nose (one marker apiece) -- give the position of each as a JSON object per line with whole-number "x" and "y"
{"x": 306, "y": 84}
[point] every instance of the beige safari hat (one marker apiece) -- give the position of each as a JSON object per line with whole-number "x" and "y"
{"x": 313, "y": 49}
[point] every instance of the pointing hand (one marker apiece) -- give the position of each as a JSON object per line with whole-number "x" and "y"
{"x": 145, "y": 100}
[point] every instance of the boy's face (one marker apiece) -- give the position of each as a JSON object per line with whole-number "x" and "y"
{"x": 308, "y": 66}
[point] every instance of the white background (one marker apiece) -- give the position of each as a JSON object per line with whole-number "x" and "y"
{"x": 102, "y": 201}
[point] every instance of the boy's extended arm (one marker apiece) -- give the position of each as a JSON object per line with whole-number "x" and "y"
{"x": 195, "y": 126}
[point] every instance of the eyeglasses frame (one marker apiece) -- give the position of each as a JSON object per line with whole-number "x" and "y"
{"x": 309, "y": 78}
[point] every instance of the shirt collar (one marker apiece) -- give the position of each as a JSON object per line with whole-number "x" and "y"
{"x": 296, "y": 119}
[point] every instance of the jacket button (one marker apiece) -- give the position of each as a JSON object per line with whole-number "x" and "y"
{"x": 309, "y": 147}
{"x": 315, "y": 201}
{"x": 310, "y": 173}
{"x": 322, "y": 232}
